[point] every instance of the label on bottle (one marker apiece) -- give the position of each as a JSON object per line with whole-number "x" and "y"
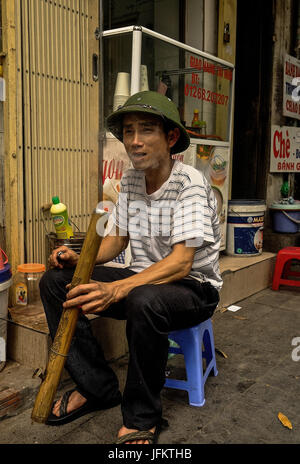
{"x": 58, "y": 220}
{"x": 62, "y": 225}
{"x": 21, "y": 294}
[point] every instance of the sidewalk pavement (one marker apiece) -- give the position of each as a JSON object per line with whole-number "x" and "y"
{"x": 259, "y": 377}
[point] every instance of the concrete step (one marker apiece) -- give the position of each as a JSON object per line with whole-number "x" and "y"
{"x": 29, "y": 341}
{"x": 28, "y": 336}
{"x": 245, "y": 276}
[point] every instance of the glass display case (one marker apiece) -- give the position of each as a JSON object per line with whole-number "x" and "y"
{"x": 201, "y": 85}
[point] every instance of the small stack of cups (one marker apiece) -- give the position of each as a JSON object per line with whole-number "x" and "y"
{"x": 122, "y": 89}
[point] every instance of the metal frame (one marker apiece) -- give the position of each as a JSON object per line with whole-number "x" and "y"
{"x": 141, "y": 29}
{"x": 137, "y": 35}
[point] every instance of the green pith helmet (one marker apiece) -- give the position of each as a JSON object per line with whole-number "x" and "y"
{"x": 152, "y": 103}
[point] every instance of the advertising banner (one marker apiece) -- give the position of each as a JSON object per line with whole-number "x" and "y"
{"x": 291, "y": 87}
{"x": 285, "y": 149}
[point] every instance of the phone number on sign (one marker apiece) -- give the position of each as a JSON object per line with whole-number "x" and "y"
{"x": 206, "y": 95}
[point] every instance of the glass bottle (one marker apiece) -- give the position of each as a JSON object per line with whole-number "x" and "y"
{"x": 26, "y": 284}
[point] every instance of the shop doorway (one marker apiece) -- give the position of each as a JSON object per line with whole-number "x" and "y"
{"x": 254, "y": 55}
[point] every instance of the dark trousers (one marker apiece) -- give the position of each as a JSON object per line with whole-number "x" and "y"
{"x": 151, "y": 311}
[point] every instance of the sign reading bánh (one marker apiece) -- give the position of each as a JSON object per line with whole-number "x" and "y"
{"x": 285, "y": 149}
{"x": 291, "y": 83}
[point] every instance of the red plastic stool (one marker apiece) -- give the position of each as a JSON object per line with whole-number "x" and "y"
{"x": 283, "y": 267}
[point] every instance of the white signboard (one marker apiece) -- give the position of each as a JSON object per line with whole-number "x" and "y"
{"x": 285, "y": 149}
{"x": 291, "y": 87}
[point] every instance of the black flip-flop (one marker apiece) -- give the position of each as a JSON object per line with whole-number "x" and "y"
{"x": 144, "y": 434}
{"x": 90, "y": 406}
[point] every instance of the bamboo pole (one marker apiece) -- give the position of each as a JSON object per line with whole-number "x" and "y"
{"x": 67, "y": 324}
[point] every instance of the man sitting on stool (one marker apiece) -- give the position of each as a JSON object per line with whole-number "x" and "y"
{"x": 167, "y": 211}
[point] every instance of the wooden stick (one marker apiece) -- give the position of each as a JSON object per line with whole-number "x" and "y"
{"x": 67, "y": 325}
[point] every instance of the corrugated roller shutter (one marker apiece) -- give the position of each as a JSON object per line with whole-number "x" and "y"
{"x": 57, "y": 86}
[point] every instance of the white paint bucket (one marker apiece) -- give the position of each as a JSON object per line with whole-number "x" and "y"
{"x": 245, "y": 223}
{"x": 4, "y": 289}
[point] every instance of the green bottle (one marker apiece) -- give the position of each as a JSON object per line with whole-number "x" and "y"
{"x": 60, "y": 218}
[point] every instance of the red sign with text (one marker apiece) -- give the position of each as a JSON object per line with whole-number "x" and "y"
{"x": 285, "y": 149}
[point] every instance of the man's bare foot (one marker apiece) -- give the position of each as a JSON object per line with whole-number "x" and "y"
{"x": 123, "y": 431}
{"x": 76, "y": 400}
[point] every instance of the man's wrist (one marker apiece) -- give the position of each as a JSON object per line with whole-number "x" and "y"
{"x": 122, "y": 288}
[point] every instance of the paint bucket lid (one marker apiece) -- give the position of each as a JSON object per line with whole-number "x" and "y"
{"x": 246, "y": 206}
{"x": 5, "y": 273}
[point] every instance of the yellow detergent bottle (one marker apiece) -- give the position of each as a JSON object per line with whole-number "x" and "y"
{"x": 60, "y": 219}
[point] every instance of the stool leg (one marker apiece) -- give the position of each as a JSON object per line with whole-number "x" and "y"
{"x": 194, "y": 370}
{"x": 280, "y": 261}
{"x": 282, "y": 270}
{"x": 209, "y": 351}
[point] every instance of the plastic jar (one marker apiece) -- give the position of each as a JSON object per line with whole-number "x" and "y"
{"x": 26, "y": 284}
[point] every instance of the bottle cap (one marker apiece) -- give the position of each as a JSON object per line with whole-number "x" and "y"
{"x": 55, "y": 200}
{"x": 31, "y": 267}
{"x": 196, "y": 111}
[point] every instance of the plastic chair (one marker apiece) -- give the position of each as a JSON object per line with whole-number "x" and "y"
{"x": 190, "y": 343}
{"x": 283, "y": 267}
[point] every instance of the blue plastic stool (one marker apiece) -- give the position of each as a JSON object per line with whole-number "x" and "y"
{"x": 190, "y": 343}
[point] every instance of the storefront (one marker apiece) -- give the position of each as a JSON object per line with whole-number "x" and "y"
{"x": 201, "y": 85}
{"x": 61, "y": 84}
{"x": 265, "y": 162}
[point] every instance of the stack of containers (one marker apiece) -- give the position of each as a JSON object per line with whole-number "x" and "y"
{"x": 5, "y": 283}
